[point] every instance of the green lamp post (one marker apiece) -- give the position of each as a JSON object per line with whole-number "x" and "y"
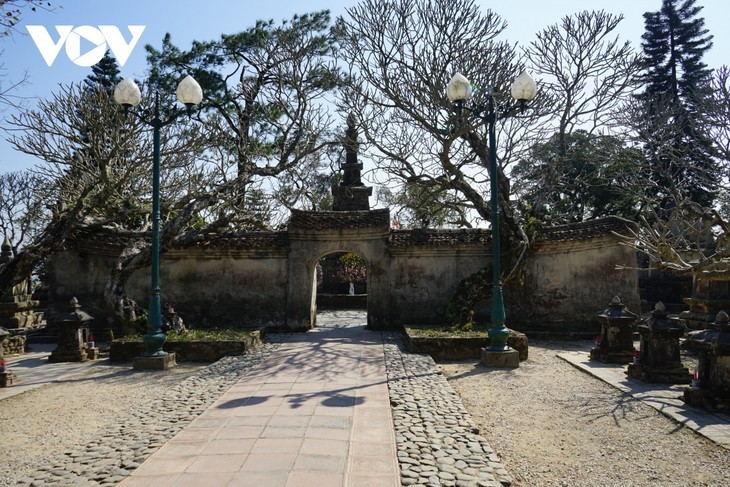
{"x": 523, "y": 89}
{"x": 127, "y": 94}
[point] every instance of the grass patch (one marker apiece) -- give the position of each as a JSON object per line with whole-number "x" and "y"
{"x": 199, "y": 335}
{"x": 442, "y": 331}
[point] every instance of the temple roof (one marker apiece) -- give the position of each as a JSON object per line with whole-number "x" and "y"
{"x": 352, "y": 220}
{"x": 573, "y": 231}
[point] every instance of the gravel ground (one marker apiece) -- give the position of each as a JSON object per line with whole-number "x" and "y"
{"x": 554, "y": 425}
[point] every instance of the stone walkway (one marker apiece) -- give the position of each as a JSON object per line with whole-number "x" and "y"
{"x": 667, "y": 399}
{"x": 316, "y": 412}
{"x": 34, "y": 370}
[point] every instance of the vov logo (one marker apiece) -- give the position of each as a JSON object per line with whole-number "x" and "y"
{"x": 103, "y": 37}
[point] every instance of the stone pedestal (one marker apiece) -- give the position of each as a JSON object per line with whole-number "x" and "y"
{"x": 504, "y": 358}
{"x": 92, "y": 353}
{"x": 713, "y": 390}
{"x": 616, "y": 345}
{"x": 659, "y": 357}
{"x": 160, "y": 362}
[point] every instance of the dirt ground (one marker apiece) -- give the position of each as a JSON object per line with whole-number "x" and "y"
{"x": 554, "y": 425}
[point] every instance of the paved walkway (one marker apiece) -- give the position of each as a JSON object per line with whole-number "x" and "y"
{"x": 667, "y": 399}
{"x": 33, "y": 369}
{"x": 316, "y": 413}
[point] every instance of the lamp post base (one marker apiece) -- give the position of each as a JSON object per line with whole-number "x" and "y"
{"x": 160, "y": 362}
{"x": 506, "y": 358}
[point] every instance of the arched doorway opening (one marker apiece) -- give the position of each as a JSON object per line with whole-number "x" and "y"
{"x": 341, "y": 282}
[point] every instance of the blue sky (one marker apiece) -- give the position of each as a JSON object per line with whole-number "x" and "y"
{"x": 187, "y": 20}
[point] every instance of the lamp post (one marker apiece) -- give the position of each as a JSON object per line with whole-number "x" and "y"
{"x": 523, "y": 89}
{"x": 127, "y": 94}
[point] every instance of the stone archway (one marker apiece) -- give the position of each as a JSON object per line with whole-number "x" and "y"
{"x": 313, "y": 235}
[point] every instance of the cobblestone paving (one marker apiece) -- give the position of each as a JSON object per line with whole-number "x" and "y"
{"x": 437, "y": 441}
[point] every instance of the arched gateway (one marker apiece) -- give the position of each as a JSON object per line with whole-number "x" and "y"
{"x": 312, "y": 235}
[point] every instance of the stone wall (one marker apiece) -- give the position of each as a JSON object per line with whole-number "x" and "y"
{"x": 426, "y": 267}
{"x": 572, "y": 276}
{"x": 232, "y": 280}
{"x": 269, "y": 277}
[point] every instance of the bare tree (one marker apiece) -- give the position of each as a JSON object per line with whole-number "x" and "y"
{"x": 22, "y": 214}
{"x": 718, "y": 113}
{"x": 590, "y": 73}
{"x": 686, "y": 239}
{"x": 96, "y": 172}
{"x": 402, "y": 54}
{"x": 11, "y": 11}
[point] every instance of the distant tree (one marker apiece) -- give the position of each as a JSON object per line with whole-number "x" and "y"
{"x": 677, "y": 85}
{"x": 265, "y": 110}
{"x": 104, "y": 74}
{"x": 580, "y": 176}
{"x": 422, "y": 207}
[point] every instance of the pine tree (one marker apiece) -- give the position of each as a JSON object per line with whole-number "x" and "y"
{"x": 676, "y": 82}
{"x": 104, "y": 74}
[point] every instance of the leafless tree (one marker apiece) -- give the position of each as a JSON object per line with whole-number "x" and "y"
{"x": 96, "y": 172}
{"x": 22, "y": 214}
{"x": 11, "y": 12}
{"x": 402, "y": 54}
{"x": 590, "y": 73}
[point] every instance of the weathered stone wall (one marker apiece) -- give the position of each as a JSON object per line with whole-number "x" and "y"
{"x": 572, "y": 276}
{"x": 227, "y": 281}
{"x": 13, "y": 345}
{"x": 427, "y": 266}
{"x": 269, "y": 277}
